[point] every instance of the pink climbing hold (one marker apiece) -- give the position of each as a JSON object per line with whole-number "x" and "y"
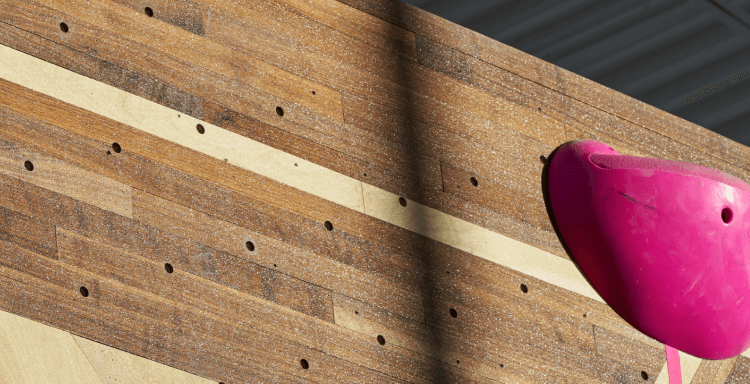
{"x": 665, "y": 243}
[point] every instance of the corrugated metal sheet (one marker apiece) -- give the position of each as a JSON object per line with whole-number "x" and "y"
{"x": 688, "y": 57}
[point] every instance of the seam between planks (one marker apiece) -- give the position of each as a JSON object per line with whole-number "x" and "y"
{"x": 168, "y": 124}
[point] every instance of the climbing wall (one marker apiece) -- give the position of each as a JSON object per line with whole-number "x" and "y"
{"x": 285, "y": 191}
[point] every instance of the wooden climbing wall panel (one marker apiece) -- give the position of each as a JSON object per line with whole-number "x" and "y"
{"x": 326, "y": 191}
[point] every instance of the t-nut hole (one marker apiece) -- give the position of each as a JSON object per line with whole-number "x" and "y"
{"x": 201, "y": 129}
{"x": 250, "y": 246}
{"x": 304, "y": 364}
{"x": 168, "y": 267}
{"x": 84, "y": 291}
{"x": 726, "y": 215}
{"x": 381, "y": 340}
{"x": 402, "y": 201}
{"x": 328, "y": 225}
{"x": 149, "y": 12}
{"x": 453, "y": 313}
{"x": 644, "y": 375}
{"x": 473, "y": 180}
{"x": 524, "y": 288}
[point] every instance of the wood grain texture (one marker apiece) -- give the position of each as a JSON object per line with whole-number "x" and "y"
{"x": 184, "y": 14}
{"x": 555, "y": 78}
{"x": 126, "y": 26}
{"x": 50, "y": 173}
{"x": 137, "y": 83}
{"x": 740, "y": 372}
{"x": 418, "y": 104}
{"x": 119, "y": 367}
{"x": 271, "y": 253}
{"x": 714, "y": 371}
{"x": 35, "y": 353}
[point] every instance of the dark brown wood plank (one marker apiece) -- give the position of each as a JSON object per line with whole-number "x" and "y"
{"x": 276, "y": 321}
{"x": 158, "y": 245}
{"x": 740, "y": 372}
{"x": 629, "y": 352}
{"x": 182, "y": 329}
{"x": 126, "y": 38}
{"x": 27, "y": 232}
{"x": 594, "y": 95}
{"x": 184, "y": 14}
{"x": 137, "y": 83}
{"x": 294, "y": 261}
{"x": 714, "y": 371}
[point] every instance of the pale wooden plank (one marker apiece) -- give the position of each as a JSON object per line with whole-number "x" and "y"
{"x": 119, "y": 367}
{"x": 476, "y": 240}
{"x": 32, "y": 353}
{"x": 166, "y": 123}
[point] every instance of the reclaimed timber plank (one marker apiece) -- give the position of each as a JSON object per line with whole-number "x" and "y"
{"x": 595, "y": 95}
{"x": 155, "y": 39}
{"x": 185, "y": 14}
{"x": 629, "y": 352}
{"x": 337, "y": 349}
{"x": 714, "y": 371}
{"x": 119, "y": 231}
{"x": 271, "y": 253}
{"x": 332, "y": 159}
{"x": 182, "y": 336}
{"x": 59, "y": 176}
{"x": 28, "y": 232}
{"x": 137, "y": 83}
{"x": 740, "y": 372}
{"x": 253, "y": 202}
{"x": 355, "y": 23}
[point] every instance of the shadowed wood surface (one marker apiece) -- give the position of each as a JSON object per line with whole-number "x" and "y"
{"x": 307, "y": 251}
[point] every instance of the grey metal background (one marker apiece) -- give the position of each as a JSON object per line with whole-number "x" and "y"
{"x": 688, "y": 57}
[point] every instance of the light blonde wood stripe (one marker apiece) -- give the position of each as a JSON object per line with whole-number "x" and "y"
{"x": 32, "y": 352}
{"x": 117, "y": 367}
{"x": 169, "y": 124}
{"x": 689, "y": 365}
{"x": 179, "y": 128}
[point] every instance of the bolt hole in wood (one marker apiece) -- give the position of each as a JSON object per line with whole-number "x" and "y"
{"x": 524, "y": 288}
{"x": 453, "y": 313}
{"x": 116, "y": 147}
{"x": 149, "y": 12}
{"x": 200, "y": 129}
{"x": 29, "y": 165}
{"x": 726, "y": 215}
{"x": 84, "y": 291}
{"x": 458, "y": 362}
{"x": 168, "y": 268}
{"x": 279, "y": 111}
{"x": 251, "y": 247}
{"x": 364, "y": 174}
{"x": 381, "y": 340}
{"x": 313, "y": 92}
{"x": 402, "y": 201}
{"x": 274, "y": 265}
{"x": 64, "y": 27}
{"x": 304, "y": 364}
{"x": 328, "y": 225}
{"x": 474, "y": 181}
{"x": 644, "y": 375}
{"x": 356, "y": 312}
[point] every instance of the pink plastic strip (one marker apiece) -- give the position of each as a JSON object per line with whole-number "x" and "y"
{"x": 673, "y": 365}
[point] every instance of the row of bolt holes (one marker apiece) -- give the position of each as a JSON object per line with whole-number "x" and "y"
{"x": 249, "y": 245}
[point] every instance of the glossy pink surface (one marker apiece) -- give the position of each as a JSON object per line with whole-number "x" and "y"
{"x": 665, "y": 243}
